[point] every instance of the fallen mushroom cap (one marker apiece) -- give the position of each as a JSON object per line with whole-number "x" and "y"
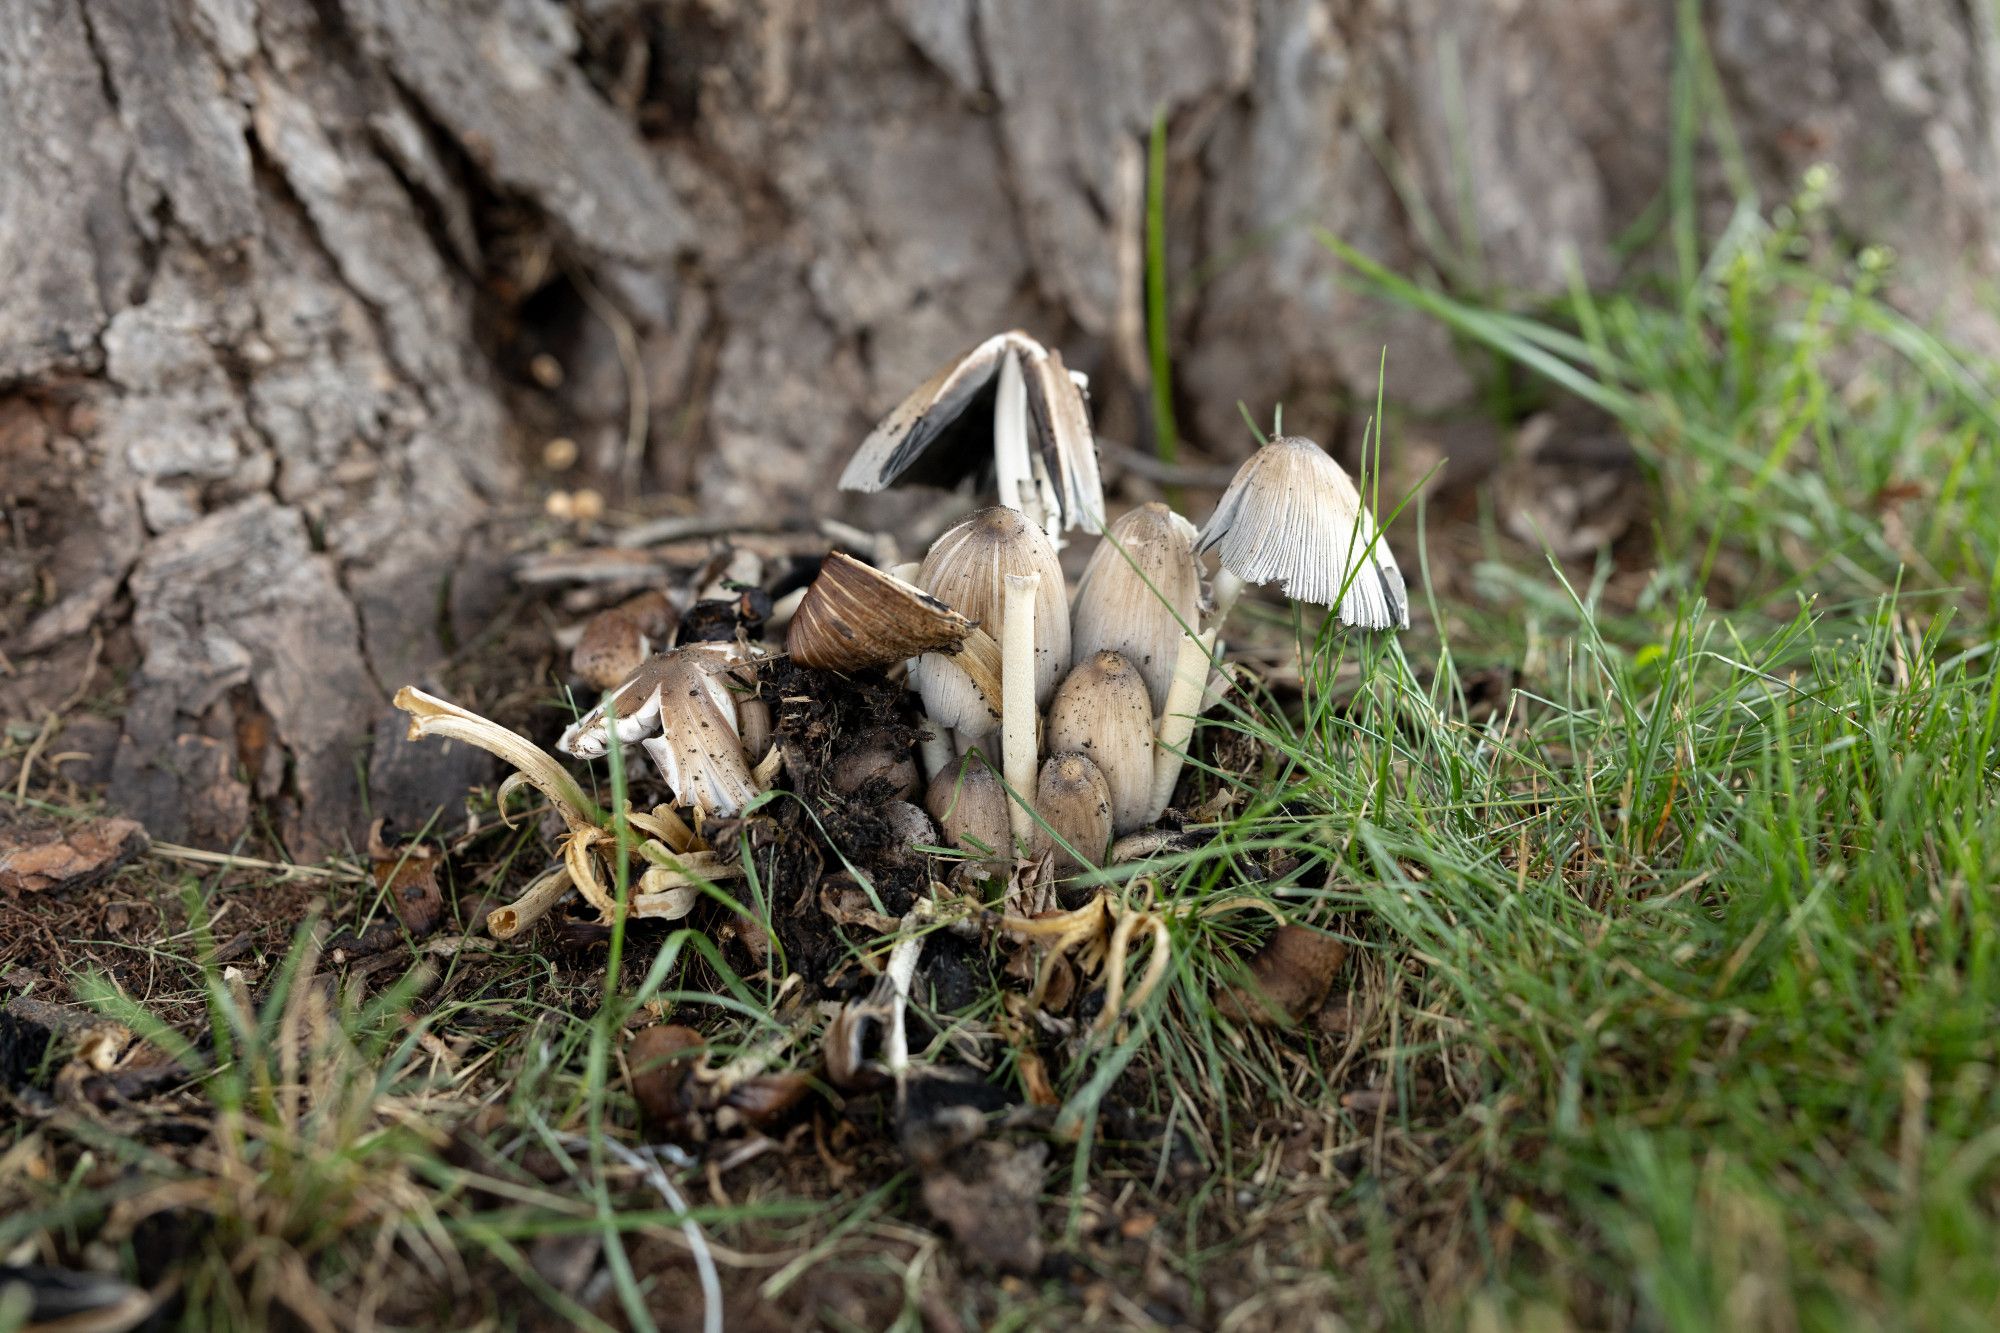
{"x": 699, "y": 750}
{"x": 686, "y": 696}
{"x": 1291, "y": 515}
{"x": 1143, "y": 584}
{"x": 855, "y": 616}
{"x": 943, "y": 431}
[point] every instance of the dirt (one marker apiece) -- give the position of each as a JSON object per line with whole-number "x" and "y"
{"x": 962, "y": 1147}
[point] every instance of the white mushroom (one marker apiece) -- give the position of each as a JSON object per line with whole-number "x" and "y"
{"x": 1143, "y": 584}
{"x": 1101, "y": 711}
{"x": 1075, "y": 805}
{"x": 967, "y": 569}
{"x": 1291, "y": 515}
{"x": 682, "y": 707}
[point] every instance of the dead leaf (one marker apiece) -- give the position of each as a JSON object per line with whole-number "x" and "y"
{"x": 1289, "y": 977}
{"x": 36, "y": 859}
{"x": 408, "y": 874}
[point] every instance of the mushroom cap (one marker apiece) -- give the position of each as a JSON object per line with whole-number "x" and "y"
{"x": 1291, "y": 515}
{"x": 1102, "y": 712}
{"x": 943, "y": 431}
{"x": 1143, "y": 584}
{"x": 967, "y": 569}
{"x": 970, "y": 808}
{"x": 685, "y": 696}
{"x": 1075, "y": 803}
{"x": 699, "y": 750}
{"x": 855, "y": 616}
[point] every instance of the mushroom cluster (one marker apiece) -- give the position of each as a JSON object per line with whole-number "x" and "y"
{"x": 1058, "y": 718}
{"x": 1087, "y": 697}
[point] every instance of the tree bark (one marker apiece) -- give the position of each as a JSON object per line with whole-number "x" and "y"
{"x": 274, "y": 271}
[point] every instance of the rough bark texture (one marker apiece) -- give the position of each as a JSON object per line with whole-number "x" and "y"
{"x": 271, "y": 272}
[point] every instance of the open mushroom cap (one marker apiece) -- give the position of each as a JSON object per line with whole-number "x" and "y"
{"x": 1292, "y": 516}
{"x": 699, "y": 750}
{"x": 943, "y": 432}
{"x": 689, "y": 698}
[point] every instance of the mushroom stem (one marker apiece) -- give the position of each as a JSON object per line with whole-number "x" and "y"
{"x": 1017, "y": 703}
{"x": 937, "y": 753}
{"x": 1178, "y": 717}
{"x": 1010, "y": 440}
{"x": 1223, "y": 590}
{"x": 546, "y": 890}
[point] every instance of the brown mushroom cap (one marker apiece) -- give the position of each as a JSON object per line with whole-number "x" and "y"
{"x": 856, "y": 616}
{"x": 1075, "y": 805}
{"x": 1102, "y": 711}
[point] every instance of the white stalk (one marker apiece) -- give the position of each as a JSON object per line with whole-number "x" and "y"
{"x": 1178, "y": 717}
{"x": 1011, "y": 467}
{"x": 1017, "y": 703}
{"x": 1223, "y": 590}
{"x": 902, "y": 971}
{"x": 1045, "y": 496}
{"x": 936, "y": 751}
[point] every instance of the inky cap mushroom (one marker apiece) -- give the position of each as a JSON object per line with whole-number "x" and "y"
{"x": 1291, "y": 515}
{"x": 1142, "y": 585}
{"x": 1009, "y": 401}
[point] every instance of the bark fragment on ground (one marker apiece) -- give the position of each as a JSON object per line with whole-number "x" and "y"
{"x": 41, "y": 855}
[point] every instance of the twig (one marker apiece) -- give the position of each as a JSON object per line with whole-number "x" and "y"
{"x": 679, "y": 527}
{"x": 28, "y": 759}
{"x": 172, "y": 851}
{"x": 1212, "y": 477}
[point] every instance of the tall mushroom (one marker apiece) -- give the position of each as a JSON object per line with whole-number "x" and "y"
{"x": 967, "y": 569}
{"x": 1139, "y": 595}
{"x": 1291, "y": 515}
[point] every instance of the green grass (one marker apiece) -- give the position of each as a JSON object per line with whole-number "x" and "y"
{"x": 1681, "y": 969}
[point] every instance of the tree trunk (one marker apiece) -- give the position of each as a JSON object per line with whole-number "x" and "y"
{"x": 275, "y": 272}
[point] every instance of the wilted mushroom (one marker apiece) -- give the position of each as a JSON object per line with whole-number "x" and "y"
{"x": 1291, "y": 515}
{"x": 688, "y": 698}
{"x": 1016, "y": 392}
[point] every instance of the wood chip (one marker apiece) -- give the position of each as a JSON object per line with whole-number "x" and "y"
{"x": 39, "y": 858}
